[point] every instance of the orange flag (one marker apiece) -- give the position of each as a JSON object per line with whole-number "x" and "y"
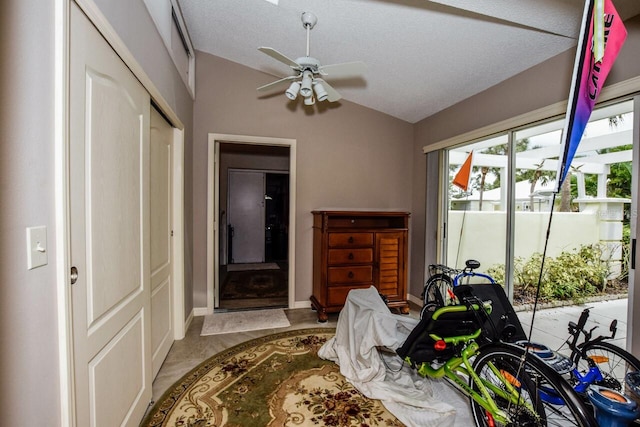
{"x": 462, "y": 177}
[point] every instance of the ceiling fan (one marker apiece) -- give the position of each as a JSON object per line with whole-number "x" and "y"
{"x": 308, "y": 80}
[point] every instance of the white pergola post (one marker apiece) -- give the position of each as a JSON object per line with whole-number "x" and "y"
{"x": 581, "y": 187}
{"x": 503, "y": 189}
{"x": 602, "y": 182}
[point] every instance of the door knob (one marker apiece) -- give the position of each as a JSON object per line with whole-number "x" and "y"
{"x": 74, "y": 275}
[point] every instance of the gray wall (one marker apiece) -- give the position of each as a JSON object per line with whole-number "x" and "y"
{"x": 347, "y": 155}
{"x": 540, "y": 86}
{"x": 28, "y": 317}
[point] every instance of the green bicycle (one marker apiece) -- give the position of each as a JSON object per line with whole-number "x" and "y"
{"x": 503, "y": 381}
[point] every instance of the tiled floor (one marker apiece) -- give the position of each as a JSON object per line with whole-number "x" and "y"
{"x": 550, "y": 329}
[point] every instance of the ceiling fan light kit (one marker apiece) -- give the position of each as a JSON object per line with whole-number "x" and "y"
{"x": 307, "y": 80}
{"x": 305, "y": 87}
{"x": 320, "y": 91}
{"x": 292, "y": 92}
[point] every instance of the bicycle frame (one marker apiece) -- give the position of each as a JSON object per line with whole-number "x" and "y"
{"x": 583, "y": 383}
{"x": 592, "y": 376}
{"x": 468, "y": 274}
{"x": 459, "y": 368}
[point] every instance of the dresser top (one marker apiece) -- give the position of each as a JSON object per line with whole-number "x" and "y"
{"x": 359, "y": 212}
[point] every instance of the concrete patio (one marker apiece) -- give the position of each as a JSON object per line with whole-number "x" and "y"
{"x": 551, "y": 324}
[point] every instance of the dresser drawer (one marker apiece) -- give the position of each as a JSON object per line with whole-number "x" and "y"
{"x": 350, "y": 274}
{"x": 350, "y": 239}
{"x": 350, "y": 256}
{"x": 337, "y": 295}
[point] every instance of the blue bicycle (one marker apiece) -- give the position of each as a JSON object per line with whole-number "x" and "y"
{"x": 592, "y": 361}
{"x": 438, "y": 291}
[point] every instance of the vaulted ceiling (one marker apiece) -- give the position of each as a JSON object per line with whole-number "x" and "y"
{"x": 422, "y": 56}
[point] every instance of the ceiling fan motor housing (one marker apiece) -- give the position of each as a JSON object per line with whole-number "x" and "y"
{"x": 308, "y": 63}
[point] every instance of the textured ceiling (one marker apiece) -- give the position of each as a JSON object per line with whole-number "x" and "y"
{"x": 421, "y": 56}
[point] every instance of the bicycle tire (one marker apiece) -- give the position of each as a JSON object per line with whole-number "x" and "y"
{"x": 437, "y": 290}
{"x": 538, "y": 378}
{"x": 618, "y": 363}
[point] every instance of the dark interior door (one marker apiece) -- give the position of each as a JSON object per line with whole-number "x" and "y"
{"x": 276, "y": 217}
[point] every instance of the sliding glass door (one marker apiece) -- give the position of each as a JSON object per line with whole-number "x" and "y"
{"x": 501, "y": 218}
{"x": 476, "y": 216}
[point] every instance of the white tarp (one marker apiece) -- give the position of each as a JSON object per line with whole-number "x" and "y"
{"x": 366, "y": 324}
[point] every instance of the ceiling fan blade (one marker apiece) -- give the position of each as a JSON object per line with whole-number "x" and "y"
{"x": 347, "y": 69}
{"x": 333, "y": 94}
{"x": 280, "y": 57}
{"x": 271, "y": 85}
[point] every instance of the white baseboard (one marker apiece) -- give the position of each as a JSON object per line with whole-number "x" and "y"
{"x": 202, "y": 311}
{"x": 414, "y": 299}
{"x": 187, "y": 322}
{"x": 302, "y": 304}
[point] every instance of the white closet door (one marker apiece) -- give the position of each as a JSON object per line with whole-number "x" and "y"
{"x": 109, "y": 204}
{"x": 161, "y": 237}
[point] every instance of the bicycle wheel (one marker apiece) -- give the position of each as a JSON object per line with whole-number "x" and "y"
{"x": 437, "y": 292}
{"x": 538, "y": 383}
{"x": 613, "y": 362}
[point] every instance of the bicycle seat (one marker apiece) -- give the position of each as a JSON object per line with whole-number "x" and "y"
{"x": 454, "y": 324}
{"x": 472, "y": 264}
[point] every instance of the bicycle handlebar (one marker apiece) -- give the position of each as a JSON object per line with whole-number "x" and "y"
{"x": 575, "y": 330}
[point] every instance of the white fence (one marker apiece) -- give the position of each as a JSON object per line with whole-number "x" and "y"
{"x": 484, "y": 234}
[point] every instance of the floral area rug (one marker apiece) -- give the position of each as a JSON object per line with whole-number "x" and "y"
{"x": 277, "y": 380}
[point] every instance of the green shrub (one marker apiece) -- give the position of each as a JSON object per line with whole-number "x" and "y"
{"x": 571, "y": 275}
{"x": 497, "y": 272}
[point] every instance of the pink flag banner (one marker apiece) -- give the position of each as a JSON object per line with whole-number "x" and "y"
{"x": 589, "y": 76}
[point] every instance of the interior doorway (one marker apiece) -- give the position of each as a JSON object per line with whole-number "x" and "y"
{"x": 253, "y": 265}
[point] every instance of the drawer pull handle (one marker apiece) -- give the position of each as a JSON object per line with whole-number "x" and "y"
{"x": 350, "y": 239}
{"x": 350, "y": 255}
{"x": 351, "y": 275}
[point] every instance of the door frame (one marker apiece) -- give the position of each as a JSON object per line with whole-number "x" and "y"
{"x": 213, "y": 210}
{"x": 62, "y": 40}
{"x": 633, "y": 296}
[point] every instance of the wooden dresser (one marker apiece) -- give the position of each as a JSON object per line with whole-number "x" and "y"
{"x": 358, "y": 249}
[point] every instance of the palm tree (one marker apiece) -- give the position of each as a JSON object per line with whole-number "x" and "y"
{"x": 536, "y": 175}
{"x": 565, "y": 193}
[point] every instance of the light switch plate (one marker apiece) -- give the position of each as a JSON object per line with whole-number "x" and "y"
{"x": 36, "y": 247}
